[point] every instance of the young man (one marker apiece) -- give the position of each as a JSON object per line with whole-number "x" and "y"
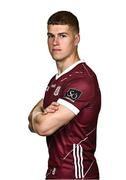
{"x": 68, "y": 113}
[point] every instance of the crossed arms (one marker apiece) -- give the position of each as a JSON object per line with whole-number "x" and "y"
{"x": 46, "y": 121}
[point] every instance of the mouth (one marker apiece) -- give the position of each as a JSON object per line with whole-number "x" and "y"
{"x": 56, "y": 50}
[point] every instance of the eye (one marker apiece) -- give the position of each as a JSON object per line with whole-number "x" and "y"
{"x": 50, "y": 36}
{"x": 63, "y": 35}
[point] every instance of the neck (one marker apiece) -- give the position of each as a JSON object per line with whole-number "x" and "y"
{"x": 65, "y": 63}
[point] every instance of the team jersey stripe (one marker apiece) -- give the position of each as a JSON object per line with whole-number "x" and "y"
{"x": 78, "y": 161}
{"x": 75, "y": 160}
{"x": 70, "y": 106}
{"x": 82, "y": 167}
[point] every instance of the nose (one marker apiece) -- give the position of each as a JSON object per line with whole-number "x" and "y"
{"x": 55, "y": 41}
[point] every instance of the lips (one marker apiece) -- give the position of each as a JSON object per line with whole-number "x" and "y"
{"x": 56, "y": 50}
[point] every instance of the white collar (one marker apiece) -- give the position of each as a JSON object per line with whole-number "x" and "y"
{"x": 69, "y": 68}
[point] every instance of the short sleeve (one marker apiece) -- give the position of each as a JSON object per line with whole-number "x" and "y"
{"x": 78, "y": 94}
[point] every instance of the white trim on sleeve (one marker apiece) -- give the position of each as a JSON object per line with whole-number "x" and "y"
{"x": 70, "y": 106}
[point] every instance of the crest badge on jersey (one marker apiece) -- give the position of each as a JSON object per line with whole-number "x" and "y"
{"x": 53, "y": 85}
{"x": 72, "y": 94}
{"x": 57, "y": 90}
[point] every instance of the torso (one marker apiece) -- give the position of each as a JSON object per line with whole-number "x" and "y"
{"x": 72, "y": 147}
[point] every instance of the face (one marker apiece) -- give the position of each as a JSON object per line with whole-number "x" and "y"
{"x": 62, "y": 41}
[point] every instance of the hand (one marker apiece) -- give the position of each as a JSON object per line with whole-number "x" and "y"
{"x": 53, "y": 107}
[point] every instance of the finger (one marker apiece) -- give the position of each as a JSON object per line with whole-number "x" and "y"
{"x": 53, "y": 107}
{"x": 50, "y": 109}
{"x": 55, "y": 103}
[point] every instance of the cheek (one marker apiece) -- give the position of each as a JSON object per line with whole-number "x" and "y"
{"x": 68, "y": 44}
{"x": 49, "y": 45}
{"x": 71, "y": 45}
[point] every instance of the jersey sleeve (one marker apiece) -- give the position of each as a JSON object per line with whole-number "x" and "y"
{"x": 78, "y": 94}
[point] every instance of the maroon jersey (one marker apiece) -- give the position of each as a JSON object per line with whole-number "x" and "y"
{"x": 71, "y": 148}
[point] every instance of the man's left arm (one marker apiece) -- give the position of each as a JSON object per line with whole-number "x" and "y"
{"x": 47, "y": 124}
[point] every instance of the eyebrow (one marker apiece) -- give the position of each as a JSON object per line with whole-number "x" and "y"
{"x": 58, "y": 33}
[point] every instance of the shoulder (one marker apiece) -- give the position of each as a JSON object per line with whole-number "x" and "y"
{"x": 85, "y": 70}
{"x": 82, "y": 75}
{"x": 82, "y": 80}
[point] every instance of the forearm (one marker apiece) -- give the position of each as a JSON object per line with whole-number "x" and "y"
{"x": 38, "y": 107}
{"x": 36, "y": 119}
{"x": 42, "y": 119}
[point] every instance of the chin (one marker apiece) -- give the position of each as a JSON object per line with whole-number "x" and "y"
{"x": 57, "y": 59}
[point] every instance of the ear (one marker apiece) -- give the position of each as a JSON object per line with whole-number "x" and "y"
{"x": 77, "y": 39}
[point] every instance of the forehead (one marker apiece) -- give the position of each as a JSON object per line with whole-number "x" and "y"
{"x": 55, "y": 29}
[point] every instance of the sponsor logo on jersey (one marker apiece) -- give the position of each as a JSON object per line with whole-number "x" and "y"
{"x": 72, "y": 94}
{"x": 57, "y": 90}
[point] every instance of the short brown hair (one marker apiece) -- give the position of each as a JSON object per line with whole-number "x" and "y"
{"x": 64, "y": 18}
